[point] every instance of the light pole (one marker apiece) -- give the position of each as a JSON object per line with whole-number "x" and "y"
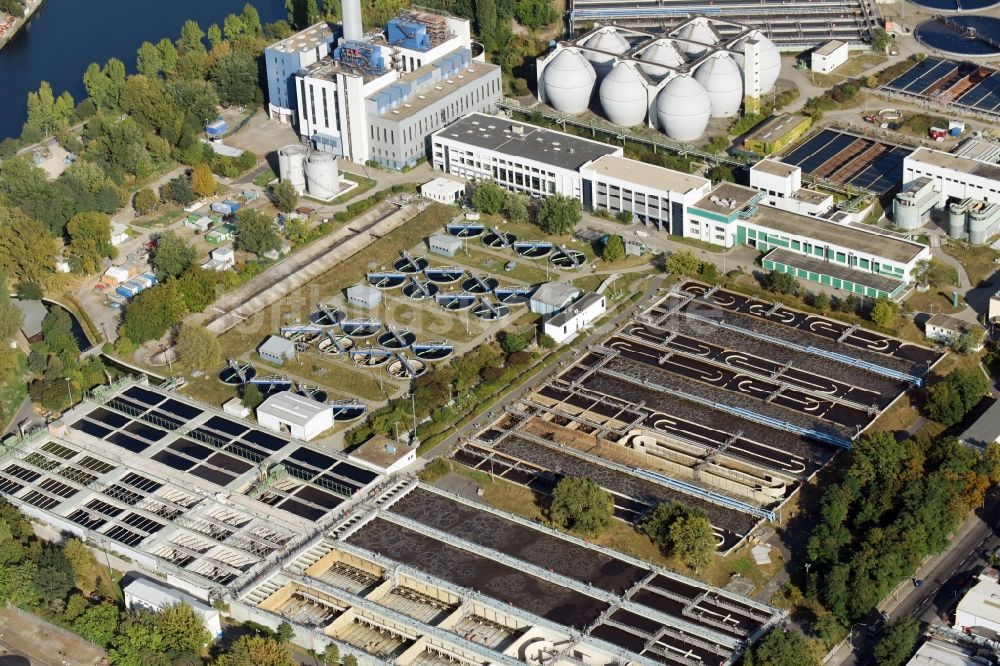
{"x": 69, "y": 390}
{"x": 808, "y": 565}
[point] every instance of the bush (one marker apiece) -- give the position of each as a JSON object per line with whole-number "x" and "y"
{"x": 434, "y": 470}
{"x": 782, "y": 283}
{"x": 884, "y": 312}
{"x": 145, "y": 201}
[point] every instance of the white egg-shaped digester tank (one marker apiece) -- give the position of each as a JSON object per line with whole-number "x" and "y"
{"x": 291, "y": 166}
{"x": 611, "y": 43}
{"x": 698, "y": 30}
{"x": 322, "y": 177}
{"x": 721, "y": 78}
{"x": 683, "y": 109}
{"x": 624, "y": 97}
{"x": 569, "y": 82}
{"x": 662, "y": 52}
{"x": 770, "y": 59}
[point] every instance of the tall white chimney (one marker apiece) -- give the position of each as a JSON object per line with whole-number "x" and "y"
{"x": 351, "y": 11}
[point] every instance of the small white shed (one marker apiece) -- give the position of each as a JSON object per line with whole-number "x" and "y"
{"x": 364, "y": 296}
{"x": 445, "y": 245}
{"x": 277, "y": 350}
{"x": 295, "y": 415}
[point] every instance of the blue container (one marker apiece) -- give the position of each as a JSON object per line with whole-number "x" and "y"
{"x": 127, "y": 290}
{"x": 150, "y": 277}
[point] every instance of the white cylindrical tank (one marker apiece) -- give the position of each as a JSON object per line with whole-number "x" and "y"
{"x": 700, "y": 31}
{"x": 569, "y": 82}
{"x": 770, "y": 59}
{"x": 623, "y": 95}
{"x": 291, "y": 166}
{"x": 610, "y": 43}
{"x": 683, "y": 109}
{"x": 721, "y": 78}
{"x": 322, "y": 177}
{"x": 662, "y": 52}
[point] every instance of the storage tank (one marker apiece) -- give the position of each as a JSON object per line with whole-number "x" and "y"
{"x": 291, "y": 165}
{"x": 956, "y": 219}
{"x": 662, "y": 52}
{"x": 984, "y": 219}
{"x": 322, "y": 178}
{"x": 623, "y": 95}
{"x": 721, "y": 78}
{"x": 568, "y": 80}
{"x": 906, "y": 214}
{"x": 770, "y": 59}
{"x": 683, "y": 108}
{"x": 698, "y": 30}
{"x": 610, "y": 42}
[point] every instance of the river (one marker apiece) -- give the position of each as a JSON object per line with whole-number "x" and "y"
{"x": 65, "y": 36}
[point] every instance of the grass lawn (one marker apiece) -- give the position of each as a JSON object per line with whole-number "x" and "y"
{"x": 364, "y": 184}
{"x": 856, "y": 64}
{"x": 209, "y": 389}
{"x": 339, "y": 375}
{"x": 164, "y": 219}
{"x": 977, "y": 260}
{"x": 262, "y": 180}
{"x": 12, "y": 393}
{"x": 933, "y": 300}
{"x": 527, "y": 271}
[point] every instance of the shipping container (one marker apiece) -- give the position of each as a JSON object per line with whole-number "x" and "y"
{"x": 152, "y": 278}
{"x": 127, "y": 290}
{"x": 143, "y": 280}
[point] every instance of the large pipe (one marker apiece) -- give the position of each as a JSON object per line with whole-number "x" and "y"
{"x": 351, "y": 11}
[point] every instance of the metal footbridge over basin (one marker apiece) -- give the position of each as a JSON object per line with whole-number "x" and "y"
{"x": 418, "y": 290}
{"x": 387, "y": 280}
{"x": 497, "y": 239}
{"x": 533, "y": 249}
{"x": 237, "y": 372}
{"x": 436, "y": 350}
{"x": 514, "y": 295}
{"x": 326, "y": 315}
{"x": 396, "y": 338}
{"x": 409, "y": 264}
{"x": 360, "y": 328}
{"x": 479, "y": 284}
{"x": 456, "y": 300}
{"x": 465, "y": 230}
{"x": 444, "y": 274}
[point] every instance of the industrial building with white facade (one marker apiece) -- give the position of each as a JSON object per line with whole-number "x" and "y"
{"x": 967, "y": 189}
{"x": 377, "y": 95}
{"x": 798, "y": 227}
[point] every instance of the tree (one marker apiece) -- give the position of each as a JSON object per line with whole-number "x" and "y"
{"x": 693, "y": 540}
{"x": 97, "y": 85}
{"x": 880, "y": 40}
{"x": 152, "y": 312}
{"x": 46, "y": 113}
{"x": 297, "y": 231}
{"x": 255, "y": 233}
{"x": 235, "y": 77}
{"x": 145, "y": 201}
{"x": 682, "y": 262}
{"x": 992, "y": 458}
{"x": 27, "y": 250}
{"x": 614, "y": 249}
{"x": 331, "y": 656}
{"x": 182, "y": 629}
{"x": 29, "y": 291}
{"x": 285, "y": 633}
{"x": 173, "y": 255}
{"x": 558, "y": 214}
{"x": 513, "y": 342}
{"x": 149, "y": 61}
{"x": 489, "y": 197}
{"x": 970, "y": 341}
{"x": 168, "y": 55}
{"x": 191, "y": 36}
{"x": 782, "y": 283}
{"x": 721, "y": 173}
{"x": 55, "y": 575}
{"x": 487, "y": 22}
{"x": 897, "y": 644}
{"x": 944, "y": 404}
{"x": 783, "y": 647}
{"x": 935, "y": 273}
{"x": 202, "y": 181}
{"x": 350, "y": 660}
{"x": 252, "y": 397}
{"x": 821, "y": 301}
{"x": 89, "y": 241}
{"x": 98, "y": 624}
{"x": 884, "y": 312}
{"x": 197, "y": 348}
{"x": 515, "y": 207}
{"x": 285, "y": 197}
{"x": 178, "y": 191}
{"x": 214, "y": 35}
{"x": 136, "y": 643}
{"x": 85, "y": 571}
{"x": 580, "y": 505}
{"x": 257, "y": 651}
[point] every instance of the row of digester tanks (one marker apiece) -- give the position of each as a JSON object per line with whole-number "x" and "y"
{"x": 629, "y": 90}
{"x": 310, "y": 172}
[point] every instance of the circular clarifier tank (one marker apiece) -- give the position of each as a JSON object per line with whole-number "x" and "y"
{"x": 964, "y": 36}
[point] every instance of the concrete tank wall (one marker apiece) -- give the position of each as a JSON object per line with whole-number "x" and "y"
{"x": 905, "y": 215}
{"x": 322, "y": 176}
{"x": 956, "y": 220}
{"x": 291, "y": 166}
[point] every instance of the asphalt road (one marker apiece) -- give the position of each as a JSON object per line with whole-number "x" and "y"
{"x": 944, "y": 576}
